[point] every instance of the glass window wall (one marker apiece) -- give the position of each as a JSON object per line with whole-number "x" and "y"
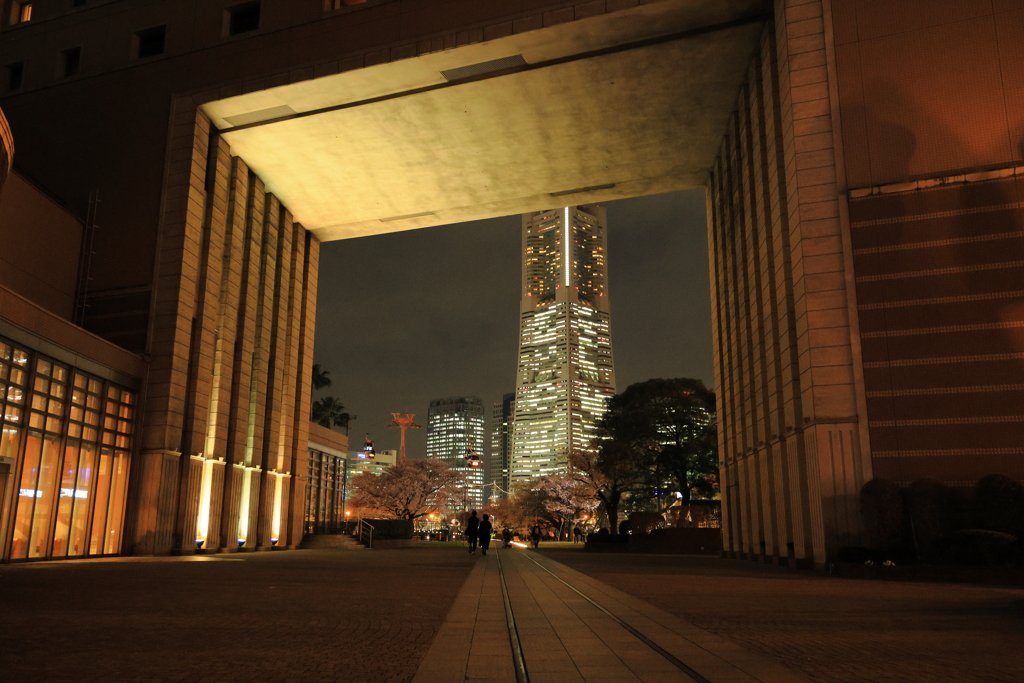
{"x": 69, "y": 434}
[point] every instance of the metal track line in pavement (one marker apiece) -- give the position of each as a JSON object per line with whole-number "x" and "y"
{"x": 513, "y": 634}
{"x": 644, "y": 639}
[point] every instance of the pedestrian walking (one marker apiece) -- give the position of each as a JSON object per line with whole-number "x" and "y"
{"x": 577, "y": 533}
{"x": 535, "y": 535}
{"x": 472, "y": 529}
{"x": 484, "y": 534}
{"x": 506, "y": 537}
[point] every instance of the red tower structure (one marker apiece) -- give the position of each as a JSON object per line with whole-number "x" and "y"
{"x": 403, "y": 421}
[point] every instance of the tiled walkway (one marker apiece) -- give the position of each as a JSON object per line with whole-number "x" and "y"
{"x": 566, "y": 638}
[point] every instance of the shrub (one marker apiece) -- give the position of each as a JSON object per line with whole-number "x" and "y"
{"x": 982, "y": 546}
{"x": 625, "y": 527}
{"x": 855, "y": 554}
{"x": 885, "y": 522}
{"x": 930, "y": 508}
{"x": 643, "y": 523}
{"x": 999, "y": 504}
{"x": 390, "y": 529}
{"x": 607, "y": 538}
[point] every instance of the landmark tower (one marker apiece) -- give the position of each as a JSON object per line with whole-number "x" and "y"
{"x": 565, "y": 374}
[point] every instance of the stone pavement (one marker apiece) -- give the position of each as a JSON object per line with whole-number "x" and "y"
{"x": 831, "y": 629}
{"x": 437, "y": 613}
{"x": 310, "y": 615}
{"x": 566, "y": 638}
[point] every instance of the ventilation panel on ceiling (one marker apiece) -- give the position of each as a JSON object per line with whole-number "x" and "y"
{"x": 483, "y": 68}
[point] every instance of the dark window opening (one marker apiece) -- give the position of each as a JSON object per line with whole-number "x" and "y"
{"x": 78, "y": 3}
{"x": 150, "y": 42}
{"x": 243, "y": 18}
{"x": 71, "y": 61}
{"x": 15, "y": 75}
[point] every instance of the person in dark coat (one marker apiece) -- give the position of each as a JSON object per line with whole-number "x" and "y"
{"x": 472, "y": 529}
{"x": 506, "y": 536}
{"x": 484, "y": 534}
{"x": 535, "y": 535}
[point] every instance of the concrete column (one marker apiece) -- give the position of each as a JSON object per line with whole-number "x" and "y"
{"x": 303, "y": 384}
{"x": 230, "y": 508}
{"x": 178, "y": 266}
{"x": 826, "y": 364}
{"x": 214, "y": 538}
{"x": 242, "y": 422}
{"x": 235, "y": 186}
{"x": 157, "y": 481}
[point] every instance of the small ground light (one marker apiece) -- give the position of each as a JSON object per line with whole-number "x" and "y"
{"x": 273, "y": 541}
{"x": 241, "y": 542}
{"x": 199, "y": 543}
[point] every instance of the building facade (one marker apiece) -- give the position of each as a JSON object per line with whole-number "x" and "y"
{"x": 360, "y": 463}
{"x": 865, "y": 232}
{"x": 565, "y": 373}
{"x": 501, "y": 446}
{"x": 326, "y": 480}
{"x": 862, "y": 161}
{"x": 455, "y": 427}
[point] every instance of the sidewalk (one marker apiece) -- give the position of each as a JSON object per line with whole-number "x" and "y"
{"x": 567, "y": 639}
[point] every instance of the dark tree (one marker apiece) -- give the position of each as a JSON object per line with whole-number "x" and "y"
{"x": 674, "y": 421}
{"x": 321, "y": 377}
{"x": 614, "y": 469}
{"x": 329, "y": 412}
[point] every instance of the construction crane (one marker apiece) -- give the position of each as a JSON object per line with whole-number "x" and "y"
{"x": 403, "y": 421}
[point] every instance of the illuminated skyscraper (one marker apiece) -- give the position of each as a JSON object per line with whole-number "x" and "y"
{"x": 501, "y": 445}
{"x": 453, "y": 425}
{"x": 565, "y": 374}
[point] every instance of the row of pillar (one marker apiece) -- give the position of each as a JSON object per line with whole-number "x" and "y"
{"x": 225, "y": 430}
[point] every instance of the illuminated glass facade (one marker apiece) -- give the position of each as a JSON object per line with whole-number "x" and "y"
{"x": 453, "y": 425}
{"x": 66, "y": 443}
{"x": 565, "y": 373}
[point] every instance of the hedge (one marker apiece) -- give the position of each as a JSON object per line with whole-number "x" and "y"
{"x": 385, "y": 529}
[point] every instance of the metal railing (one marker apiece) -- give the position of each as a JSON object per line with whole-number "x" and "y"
{"x": 364, "y": 532}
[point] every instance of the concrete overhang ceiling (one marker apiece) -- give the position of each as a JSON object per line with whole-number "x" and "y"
{"x": 620, "y": 105}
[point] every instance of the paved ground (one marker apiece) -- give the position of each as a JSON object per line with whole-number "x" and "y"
{"x": 373, "y": 615}
{"x": 300, "y": 616}
{"x": 832, "y": 629}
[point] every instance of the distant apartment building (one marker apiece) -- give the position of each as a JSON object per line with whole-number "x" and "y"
{"x": 360, "y": 462}
{"x": 455, "y": 426}
{"x": 501, "y": 446}
{"x": 565, "y": 372}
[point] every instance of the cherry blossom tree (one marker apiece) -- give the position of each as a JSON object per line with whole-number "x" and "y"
{"x": 409, "y": 490}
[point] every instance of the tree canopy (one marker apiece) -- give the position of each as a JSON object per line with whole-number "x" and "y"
{"x": 329, "y": 412}
{"x": 656, "y": 437}
{"x": 321, "y": 377}
{"x": 410, "y": 489}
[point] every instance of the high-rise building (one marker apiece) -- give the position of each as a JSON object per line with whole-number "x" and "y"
{"x": 565, "y": 374}
{"x": 501, "y": 445}
{"x": 455, "y": 425}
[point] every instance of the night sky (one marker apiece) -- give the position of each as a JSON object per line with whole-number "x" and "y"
{"x": 412, "y": 316}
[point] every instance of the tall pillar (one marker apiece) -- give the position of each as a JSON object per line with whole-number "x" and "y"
{"x": 787, "y": 356}
{"x": 224, "y": 427}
